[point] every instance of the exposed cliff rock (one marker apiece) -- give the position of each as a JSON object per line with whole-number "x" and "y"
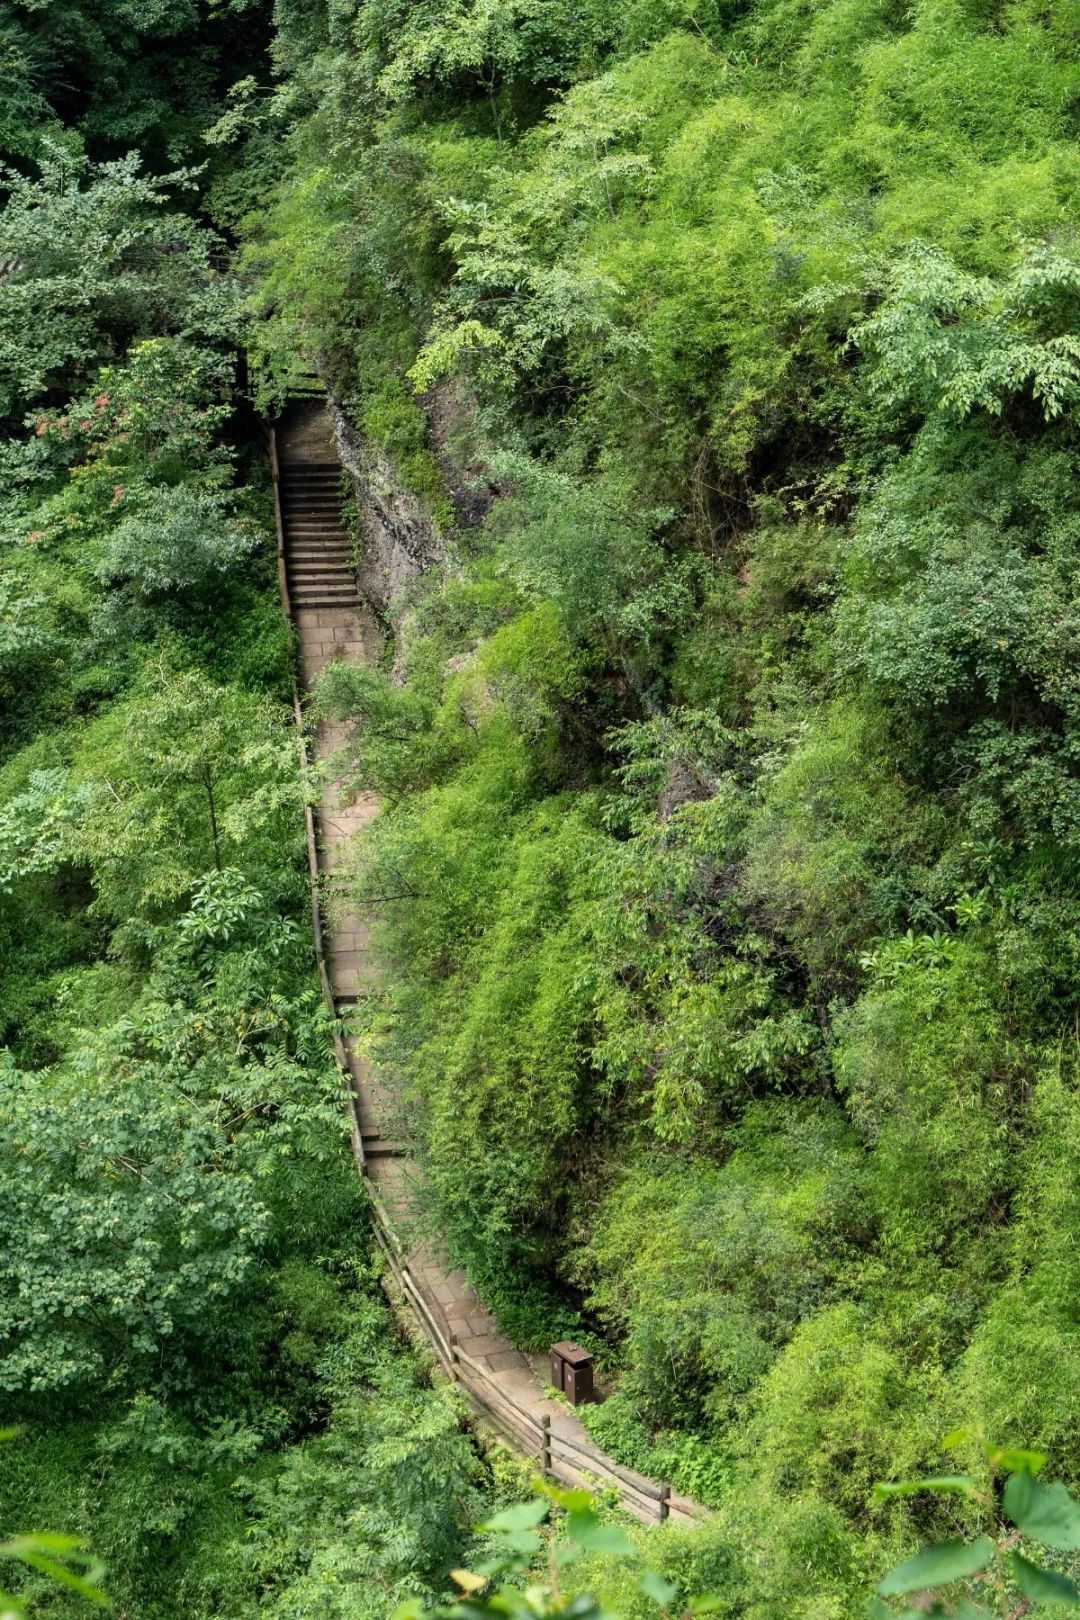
{"x": 399, "y": 539}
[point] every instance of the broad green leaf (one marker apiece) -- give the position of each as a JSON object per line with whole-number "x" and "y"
{"x": 961, "y": 1484}
{"x": 522, "y": 1516}
{"x": 583, "y": 1607}
{"x": 411, "y": 1609}
{"x": 589, "y": 1532}
{"x": 1044, "y": 1586}
{"x": 706, "y": 1603}
{"x": 572, "y": 1500}
{"x": 1047, "y": 1513}
{"x": 1011, "y": 1460}
{"x": 934, "y": 1566}
{"x": 526, "y": 1542}
{"x": 655, "y": 1586}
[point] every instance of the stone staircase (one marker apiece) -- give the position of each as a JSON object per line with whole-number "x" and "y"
{"x": 333, "y": 622}
{"x": 318, "y": 551}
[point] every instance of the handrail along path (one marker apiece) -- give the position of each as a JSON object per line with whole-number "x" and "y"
{"x": 320, "y": 600}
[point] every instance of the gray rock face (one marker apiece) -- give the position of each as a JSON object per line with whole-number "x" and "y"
{"x": 398, "y": 538}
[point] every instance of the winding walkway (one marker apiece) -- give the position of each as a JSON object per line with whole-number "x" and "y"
{"x": 503, "y": 1384}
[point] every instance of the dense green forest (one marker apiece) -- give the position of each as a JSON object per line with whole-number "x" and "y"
{"x": 729, "y": 759}
{"x": 193, "y": 1344}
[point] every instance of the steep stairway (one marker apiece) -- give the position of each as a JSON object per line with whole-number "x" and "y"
{"x": 334, "y": 623}
{"x": 318, "y": 552}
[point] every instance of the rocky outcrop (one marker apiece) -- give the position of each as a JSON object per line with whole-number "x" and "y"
{"x": 399, "y": 539}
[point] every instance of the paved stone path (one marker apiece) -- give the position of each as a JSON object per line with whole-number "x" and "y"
{"x": 350, "y": 632}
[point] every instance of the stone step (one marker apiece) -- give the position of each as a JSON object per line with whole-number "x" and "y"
{"x": 317, "y": 578}
{"x": 345, "y": 586}
{"x": 319, "y": 565}
{"x": 319, "y": 599}
{"x": 313, "y": 598}
{"x": 320, "y": 559}
{"x": 377, "y": 1147}
{"x": 318, "y": 582}
{"x": 326, "y": 592}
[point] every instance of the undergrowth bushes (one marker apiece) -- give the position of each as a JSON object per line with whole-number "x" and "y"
{"x": 205, "y": 1386}
{"x": 725, "y": 883}
{"x": 724, "y": 879}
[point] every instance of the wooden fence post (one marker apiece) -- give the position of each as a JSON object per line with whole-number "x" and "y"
{"x": 453, "y": 1350}
{"x": 545, "y": 1445}
{"x": 665, "y": 1494}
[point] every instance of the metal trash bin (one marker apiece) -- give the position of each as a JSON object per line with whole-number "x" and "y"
{"x": 572, "y": 1372}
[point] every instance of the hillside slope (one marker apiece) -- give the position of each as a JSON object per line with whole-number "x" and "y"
{"x": 726, "y": 883}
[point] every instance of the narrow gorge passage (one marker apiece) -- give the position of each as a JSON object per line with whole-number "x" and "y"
{"x": 333, "y": 621}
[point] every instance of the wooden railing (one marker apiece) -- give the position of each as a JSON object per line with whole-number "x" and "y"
{"x": 559, "y": 1452}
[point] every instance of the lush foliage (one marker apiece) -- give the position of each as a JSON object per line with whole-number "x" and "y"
{"x": 726, "y": 881}
{"x": 992, "y": 1565}
{"x": 207, "y": 1387}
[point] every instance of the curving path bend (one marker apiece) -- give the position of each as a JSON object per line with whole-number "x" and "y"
{"x": 333, "y": 622}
